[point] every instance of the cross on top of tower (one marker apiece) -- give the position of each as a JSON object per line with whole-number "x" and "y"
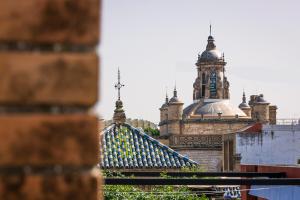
{"x": 119, "y": 114}
{"x": 119, "y": 85}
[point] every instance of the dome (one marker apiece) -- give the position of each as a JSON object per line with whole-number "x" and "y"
{"x": 243, "y": 105}
{"x": 210, "y": 56}
{"x": 260, "y": 100}
{"x": 212, "y": 108}
{"x": 174, "y": 99}
{"x": 165, "y": 105}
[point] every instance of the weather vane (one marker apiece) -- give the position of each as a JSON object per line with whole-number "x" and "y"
{"x": 118, "y": 85}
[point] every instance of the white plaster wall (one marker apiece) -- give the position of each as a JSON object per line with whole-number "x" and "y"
{"x": 279, "y": 147}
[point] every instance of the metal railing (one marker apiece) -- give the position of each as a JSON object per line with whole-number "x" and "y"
{"x": 202, "y": 178}
{"x": 288, "y": 121}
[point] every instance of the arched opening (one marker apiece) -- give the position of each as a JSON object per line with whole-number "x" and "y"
{"x": 203, "y": 85}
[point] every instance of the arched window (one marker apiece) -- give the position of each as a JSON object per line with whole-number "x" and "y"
{"x": 203, "y": 85}
{"x": 213, "y": 84}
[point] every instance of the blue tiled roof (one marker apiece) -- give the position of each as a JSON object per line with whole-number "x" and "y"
{"x": 127, "y": 147}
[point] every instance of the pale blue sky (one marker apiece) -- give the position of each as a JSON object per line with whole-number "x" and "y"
{"x": 156, "y": 43}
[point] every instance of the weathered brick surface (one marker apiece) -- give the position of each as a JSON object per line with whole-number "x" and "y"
{"x": 50, "y": 21}
{"x": 48, "y": 140}
{"x": 52, "y": 187}
{"x": 209, "y": 160}
{"x": 48, "y": 79}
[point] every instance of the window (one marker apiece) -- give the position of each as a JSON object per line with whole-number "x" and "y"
{"x": 203, "y": 85}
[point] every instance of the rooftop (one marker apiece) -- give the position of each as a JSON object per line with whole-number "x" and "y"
{"x": 124, "y": 146}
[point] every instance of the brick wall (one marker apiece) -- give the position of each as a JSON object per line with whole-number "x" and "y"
{"x": 212, "y": 128}
{"x": 209, "y": 160}
{"x": 48, "y": 82}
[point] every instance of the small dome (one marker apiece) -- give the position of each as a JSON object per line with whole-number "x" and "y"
{"x": 243, "y": 105}
{"x": 260, "y": 100}
{"x": 210, "y": 56}
{"x": 165, "y": 105}
{"x": 174, "y": 100}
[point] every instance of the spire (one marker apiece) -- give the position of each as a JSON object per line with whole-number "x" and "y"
{"x": 167, "y": 98}
{"x": 210, "y": 42}
{"x": 244, "y": 104}
{"x": 118, "y": 85}
{"x": 244, "y": 96}
{"x": 119, "y": 114}
{"x": 175, "y": 91}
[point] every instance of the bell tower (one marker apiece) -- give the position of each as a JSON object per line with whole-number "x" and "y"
{"x": 211, "y": 82}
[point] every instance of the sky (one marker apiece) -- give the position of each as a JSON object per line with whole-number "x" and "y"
{"x": 156, "y": 43}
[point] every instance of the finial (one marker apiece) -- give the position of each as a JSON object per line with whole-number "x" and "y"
{"x": 175, "y": 91}
{"x": 209, "y": 29}
{"x": 119, "y": 114}
{"x": 118, "y": 85}
{"x": 167, "y": 98}
{"x": 244, "y": 96}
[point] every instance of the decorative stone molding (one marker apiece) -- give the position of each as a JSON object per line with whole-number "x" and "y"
{"x": 211, "y": 142}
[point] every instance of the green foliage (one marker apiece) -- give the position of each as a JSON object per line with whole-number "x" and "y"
{"x": 195, "y": 168}
{"x": 127, "y": 192}
{"x": 151, "y": 131}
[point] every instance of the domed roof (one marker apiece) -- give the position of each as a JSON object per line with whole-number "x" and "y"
{"x": 260, "y": 99}
{"x": 211, "y": 54}
{"x": 174, "y": 99}
{"x": 165, "y": 105}
{"x": 244, "y": 103}
{"x": 212, "y": 108}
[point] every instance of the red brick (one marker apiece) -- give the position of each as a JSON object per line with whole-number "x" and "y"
{"x": 50, "y": 21}
{"x": 39, "y": 140}
{"x": 50, "y": 187}
{"x": 48, "y": 79}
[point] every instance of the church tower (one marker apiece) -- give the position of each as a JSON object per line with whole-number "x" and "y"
{"x": 175, "y": 108}
{"x": 211, "y": 82}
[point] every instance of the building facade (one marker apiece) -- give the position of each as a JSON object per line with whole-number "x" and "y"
{"x": 197, "y": 129}
{"x": 249, "y": 147}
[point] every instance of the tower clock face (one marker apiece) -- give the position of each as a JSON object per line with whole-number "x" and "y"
{"x": 213, "y": 84}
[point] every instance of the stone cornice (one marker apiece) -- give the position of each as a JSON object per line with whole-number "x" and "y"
{"x": 230, "y": 121}
{"x": 203, "y": 142}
